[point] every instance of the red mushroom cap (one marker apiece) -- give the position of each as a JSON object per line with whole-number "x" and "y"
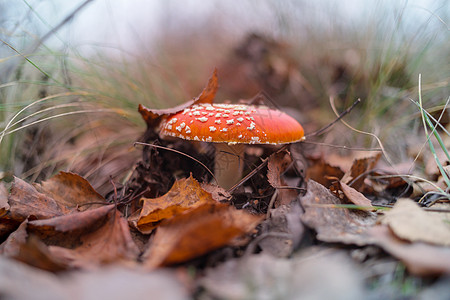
{"x": 233, "y": 123}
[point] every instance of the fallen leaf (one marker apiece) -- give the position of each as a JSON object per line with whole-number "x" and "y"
{"x": 185, "y": 194}
{"x": 154, "y": 116}
{"x": 277, "y": 164}
{"x": 323, "y": 172}
{"x": 316, "y": 273}
{"x": 61, "y": 194}
{"x": 11, "y": 246}
{"x": 334, "y": 224}
{"x": 359, "y": 169}
{"x": 39, "y": 284}
{"x": 218, "y": 193}
{"x": 285, "y": 220}
{"x": 111, "y": 243}
{"x": 356, "y": 197}
{"x": 25, "y": 201}
{"x": 71, "y": 191}
{"x": 409, "y": 222}
{"x": 66, "y": 230}
{"x": 35, "y": 253}
{"x": 421, "y": 259}
{"x": 196, "y": 232}
{"x": 19, "y": 281}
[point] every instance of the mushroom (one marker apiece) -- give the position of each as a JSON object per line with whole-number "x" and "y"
{"x": 230, "y": 127}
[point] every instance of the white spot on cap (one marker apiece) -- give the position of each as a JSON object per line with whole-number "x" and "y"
{"x": 225, "y": 115}
{"x": 238, "y": 124}
{"x": 209, "y": 108}
{"x": 217, "y": 121}
{"x": 229, "y": 122}
{"x": 235, "y": 113}
{"x": 208, "y": 139}
{"x": 224, "y": 130}
{"x": 204, "y": 112}
{"x": 241, "y": 107}
{"x": 169, "y": 127}
{"x": 203, "y": 119}
{"x": 196, "y": 113}
{"x": 188, "y": 130}
{"x": 182, "y": 125}
{"x": 218, "y": 115}
{"x": 212, "y": 128}
{"x": 210, "y": 114}
{"x": 240, "y": 119}
{"x": 255, "y": 139}
{"x": 240, "y": 136}
{"x": 196, "y": 138}
{"x": 178, "y": 128}
{"x": 252, "y": 126}
{"x": 227, "y": 111}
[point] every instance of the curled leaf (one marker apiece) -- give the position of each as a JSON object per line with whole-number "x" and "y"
{"x": 185, "y": 194}
{"x": 154, "y": 116}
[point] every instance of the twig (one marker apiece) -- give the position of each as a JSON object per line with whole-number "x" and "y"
{"x": 342, "y": 146}
{"x": 343, "y": 114}
{"x": 253, "y": 172}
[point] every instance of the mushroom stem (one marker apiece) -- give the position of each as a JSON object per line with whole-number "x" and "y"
{"x": 229, "y": 164}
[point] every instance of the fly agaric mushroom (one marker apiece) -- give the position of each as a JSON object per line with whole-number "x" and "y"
{"x": 230, "y": 127}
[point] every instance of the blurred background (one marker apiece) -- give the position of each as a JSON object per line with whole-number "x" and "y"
{"x": 73, "y": 72}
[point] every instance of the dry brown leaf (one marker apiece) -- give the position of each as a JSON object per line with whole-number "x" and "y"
{"x": 154, "y": 116}
{"x": 25, "y": 201}
{"x": 421, "y": 259}
{"x": 71, "y": 222}
{"x": 323, "y": 172}
{"x": 111, "y": 243}
{"x": 196, "y": 232}
{"x": 409, "y": 222}
{"x": 334, "y": 224}
{"x": 358, "y": 171}
{"x": 356, "y": 197}
{"x": 218, "y": 193}
{"x": 11, "y": 247}
{"x": 35, "y": 253}
{"x": 185, "y": 194}
{"x": 66, "y": 230}
{"x": 277, "y": 164}
{"x": 71, "y": 191}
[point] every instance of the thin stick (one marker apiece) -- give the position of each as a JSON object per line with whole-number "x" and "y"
{"x": 342, "y": 146}
{"x": 343, "y": 114}
{"x": 253, "y": 172}
{"x": 179, "y": 152}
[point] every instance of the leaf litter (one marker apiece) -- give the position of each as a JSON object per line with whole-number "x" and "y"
{"x": 168, "y": 216}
